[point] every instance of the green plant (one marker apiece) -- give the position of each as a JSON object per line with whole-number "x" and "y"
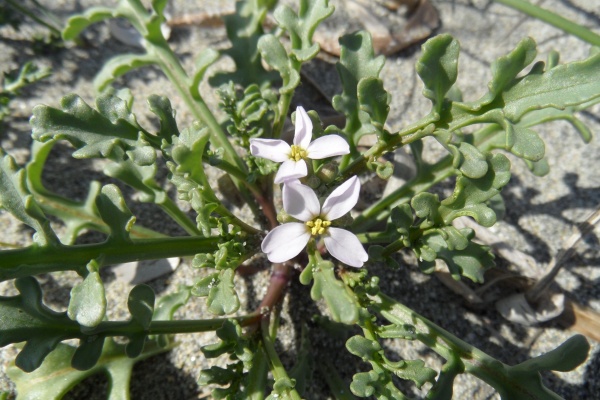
{"x": 257, "y": 101}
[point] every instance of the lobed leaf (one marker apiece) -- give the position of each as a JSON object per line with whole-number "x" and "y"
{"x": 301, "y": 26}
{"x": 16, "y": 198}
{"x": 56, "y": 376}
{"x": 563, "y": 86}
{"x": 274, "y": 54}
{"x": 93, "y": 133}
{"x": 358, "y": 62}
{"x": 115, "y": 213}
{"x": 340, "y": 300}
{"x": 244, "y": 29}
{"x": 438, "y": 68}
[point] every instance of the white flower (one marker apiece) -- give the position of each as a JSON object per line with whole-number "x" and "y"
{"x": 293, "y": 157}
{"x": 287, "y": 240}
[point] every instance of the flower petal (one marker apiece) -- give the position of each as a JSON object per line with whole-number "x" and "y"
{"x": 346, "y": 247}
{"x": 327, "y": 146}
{"x": 304, "y": 128}
{"x": 271, "y": 149}
{"x": 291, "y": 169}
{"x": 285, "y": 241}
{"x": 342, "y": 199}
{"x": 300, "y": 201}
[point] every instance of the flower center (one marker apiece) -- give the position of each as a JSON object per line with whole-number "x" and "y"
{"x": 297, "y": 153}
{"x": 318, "y": 226}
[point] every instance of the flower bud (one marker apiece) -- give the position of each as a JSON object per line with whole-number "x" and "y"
{"x": 328, "y": 172}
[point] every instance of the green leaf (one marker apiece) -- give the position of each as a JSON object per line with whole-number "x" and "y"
{"x": 524, "y": 143}
{"x": 76, "y": 24}
{"x": 141, "y": 305}
{"x": 301, "y": 26}
{"x": 366, "y": 384}
{"x": 566, "y": 357}
{"x": 27, "y": 74}
{"x": 93, "y": 133}
{"x": 222, "y": 298}
{"x": 26, "y": 318}
{"x": 560, "y": 87}
{"x": 470, "y": 195}
{"x": 471, "y": 261}
{"x": 168, "y": 304}
{"x": 358, "y": 62}
{"x": 56, "y": 377}
{"x": 244, "y": 29}
{"x": 88, "y": 301}
{"x": 341, "y": 302}
{"x": 232, "y": 341}
{"x": 115, "y": 213}
{"x": 367, "y": 350}
{"x": 506, "y": 68}
{"x": 216, "y": 375}
{"x": 16, "y": 198}
{"x": 374, "y": 100}
{"x": 205, "y": 59}
{"x": 274, "y": 54}
{"x": 473, "y": 163}
{"x": 438, "y": 68}
{"x": 120, "y": 65}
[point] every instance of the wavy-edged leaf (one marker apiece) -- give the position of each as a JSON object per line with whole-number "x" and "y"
{"x": 301, "y": 26}
{"x": 438, "y": 68}
{"x": 204, "y": 60}
{"x": 120, "y": 65}
{"x": 115, "y": 213}
{"x": 76, "y": 24}
{"x": 222, "y": 297}
{"x": 16, "y": 198}
{"x": 359, "y": 70}
{"x": 93, "y": 133}
{"x": 470, "y": 195}
{"x": 274, "y": 54}
{"x": 244, "y": 29}
{"x": 563, "y": 86}
{"x": 340, "y": 300}
{"x": 26, "y": 318}
{"x": 56, "y": 376}
{"x": 87, "y": 305}
{"x": 231, "y": 340}
{"x": 470, "y": 261}
{"x": 506, "y": 68}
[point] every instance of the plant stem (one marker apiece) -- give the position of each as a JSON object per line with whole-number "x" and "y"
{"x": 179, "y": 216}
{"x": 380, "y": 210}
{"x": 172, "y": 68}
{"x": 277, "y": 368}
{"x": 553, "y": 19}
{"x": 34, "y": 17}
{"x": 47, "y": 259}
{"x": 124, "y": 328}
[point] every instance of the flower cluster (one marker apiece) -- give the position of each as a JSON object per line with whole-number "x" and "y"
{"x": 300, "y": 201}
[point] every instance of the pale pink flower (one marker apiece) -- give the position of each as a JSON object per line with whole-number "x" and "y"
{"x": 287, "y": 240}
{"x": 293, "y": 157}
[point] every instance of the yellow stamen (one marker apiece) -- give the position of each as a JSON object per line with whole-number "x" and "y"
{"x": 318, "y": 226}
{"x": 297, "y": 153}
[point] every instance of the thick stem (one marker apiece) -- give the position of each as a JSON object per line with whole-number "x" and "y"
{"x": 35, "y": 260}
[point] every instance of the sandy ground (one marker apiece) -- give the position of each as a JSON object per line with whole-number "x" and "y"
{"x": 541, "y": 212}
